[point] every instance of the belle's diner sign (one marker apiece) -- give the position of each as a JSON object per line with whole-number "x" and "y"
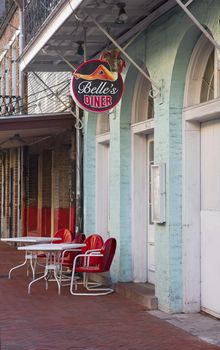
{"x": 95, "y": 87}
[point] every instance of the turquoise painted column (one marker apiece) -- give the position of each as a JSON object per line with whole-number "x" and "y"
{"x": 89, "y": 160}
{"x": 120, "y": 194}
{"x": 172, "y": 62}
{"x": 120, "y": 178}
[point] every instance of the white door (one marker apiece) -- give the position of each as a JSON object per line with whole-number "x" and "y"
{"x": 102, "y": 189}
{"x": 210, "y": 217}
{"x": 150, "y": 224}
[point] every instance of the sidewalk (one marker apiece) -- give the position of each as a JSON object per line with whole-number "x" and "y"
{"x": 46, "y": 321}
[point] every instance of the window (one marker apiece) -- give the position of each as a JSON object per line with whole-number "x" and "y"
{"x": 13, "y": 70}
{"x": 202, "y": 80}
{"x": 102, "y": 124}
{"x": 207, "y": 88}
{"x": 143, "y": 103}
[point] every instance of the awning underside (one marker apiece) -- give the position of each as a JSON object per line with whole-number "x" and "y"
{"x": 28, "y": 130}
{"x": 69, "y": 34}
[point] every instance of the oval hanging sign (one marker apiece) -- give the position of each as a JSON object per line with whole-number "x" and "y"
{"x": 95, "y": 88}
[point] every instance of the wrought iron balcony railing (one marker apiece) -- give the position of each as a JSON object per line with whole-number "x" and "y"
{"x": 35, "y": 14}
{"x": 10, "y": 105}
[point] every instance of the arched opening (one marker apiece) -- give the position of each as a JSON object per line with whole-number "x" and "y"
{"x": 143, "y": 103}
{"x": 200, "y": 80}
{"x": 201, "y": 205}
{"x": 207, "y": 88}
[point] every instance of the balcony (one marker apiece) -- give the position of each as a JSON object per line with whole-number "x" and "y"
{"x": 35, "y": 14}
{"x": 10, "y": 105}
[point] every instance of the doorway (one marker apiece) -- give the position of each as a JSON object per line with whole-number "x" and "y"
{"x": 102, "y": 186}
{"x": 150, "y": 225}
{"x": 210, "y": 217}
{"x": 143, "y": 242}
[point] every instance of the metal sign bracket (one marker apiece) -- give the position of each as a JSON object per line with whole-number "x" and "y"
{"x": 157, "y": 89}
{"x": 197, "y": 23}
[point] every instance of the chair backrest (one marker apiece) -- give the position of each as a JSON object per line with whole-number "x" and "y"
{"x": 80, "y": 238}
{"x": 69, "y": 257}
{"x": 65, "y": 235}
{"x": 108, "y": 252}
{"x": 94, "y": 241}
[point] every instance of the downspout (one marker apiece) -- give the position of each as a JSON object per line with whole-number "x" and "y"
{"x": 2, "y": 192}
{"x": 20, "y": 150}
{"x": 79, "y": 182}
{"x": 79, "y": 162}
{"x": 22, "y": 153}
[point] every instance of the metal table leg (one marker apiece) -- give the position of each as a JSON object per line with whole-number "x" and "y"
{"x": 28, "y": 260}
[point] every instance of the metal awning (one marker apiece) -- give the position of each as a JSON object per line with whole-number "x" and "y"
{"x": 22, "y": 130}
{"x": 60, "y": 36}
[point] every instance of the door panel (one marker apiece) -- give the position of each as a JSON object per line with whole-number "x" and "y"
{"x": 150, "y": 226}
{"x": 210, "y": 217}
{"x": 102, "y": 189}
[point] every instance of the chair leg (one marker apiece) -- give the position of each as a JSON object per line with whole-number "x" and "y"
{"x": 94, "y": 291}
{"x": 73, "y": 282}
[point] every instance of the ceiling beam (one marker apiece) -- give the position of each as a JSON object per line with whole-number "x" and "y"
{"x": 67, "y": 47}
{"x": 48, "y": 67}
{"x": 142, "y": 25}
{"x": 71, "y": 36}
{"x": 19, "y": 3}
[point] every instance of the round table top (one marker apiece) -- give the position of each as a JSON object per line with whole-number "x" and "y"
{"x": 52, "y": 246}
{"x": 30, "y": 239}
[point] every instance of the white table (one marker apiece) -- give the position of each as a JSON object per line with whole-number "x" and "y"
{"x": 29, "y": 257}
{"x": 53, "y": 253}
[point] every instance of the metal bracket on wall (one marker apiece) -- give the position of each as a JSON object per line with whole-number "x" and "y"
{"x": 161, "y": 97}
{"x": 196, "y": 22}
{"x": 157, "y": 89}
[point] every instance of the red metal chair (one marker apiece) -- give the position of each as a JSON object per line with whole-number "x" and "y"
{"x": 96, "y": 261}
{"x": 69, "y": 255}
{"x": 66, "y": 237}
{"x": 94, "y": 242}
{"x": 67, "y": 258}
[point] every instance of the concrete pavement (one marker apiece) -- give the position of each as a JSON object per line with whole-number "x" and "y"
{"x": 46, "y": 321}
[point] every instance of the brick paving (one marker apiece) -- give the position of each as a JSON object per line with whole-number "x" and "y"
{"x": 46, "y": 321}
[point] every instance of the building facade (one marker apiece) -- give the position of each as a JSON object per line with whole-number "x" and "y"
{"x": 37, "y": 142}
{"x": 164, "y": 131}
{"x": 178, "y": 129}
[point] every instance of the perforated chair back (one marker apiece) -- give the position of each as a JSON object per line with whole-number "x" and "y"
{"x": 69, "y": 256}
{"x": 80, "y": 238}
{"x": 103, "y": 262}
{"x": 65, "y": 235}
{"x": 94, "y": 241}
{"x": 108, "y": 252}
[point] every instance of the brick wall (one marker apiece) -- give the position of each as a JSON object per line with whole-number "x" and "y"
{"x": 32, "y": 194}
{"x": 50, "y": 186}
{"x": 9, "y": 192}
{"x": 46, "y": 178}
{"x": 14, "y": 188}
